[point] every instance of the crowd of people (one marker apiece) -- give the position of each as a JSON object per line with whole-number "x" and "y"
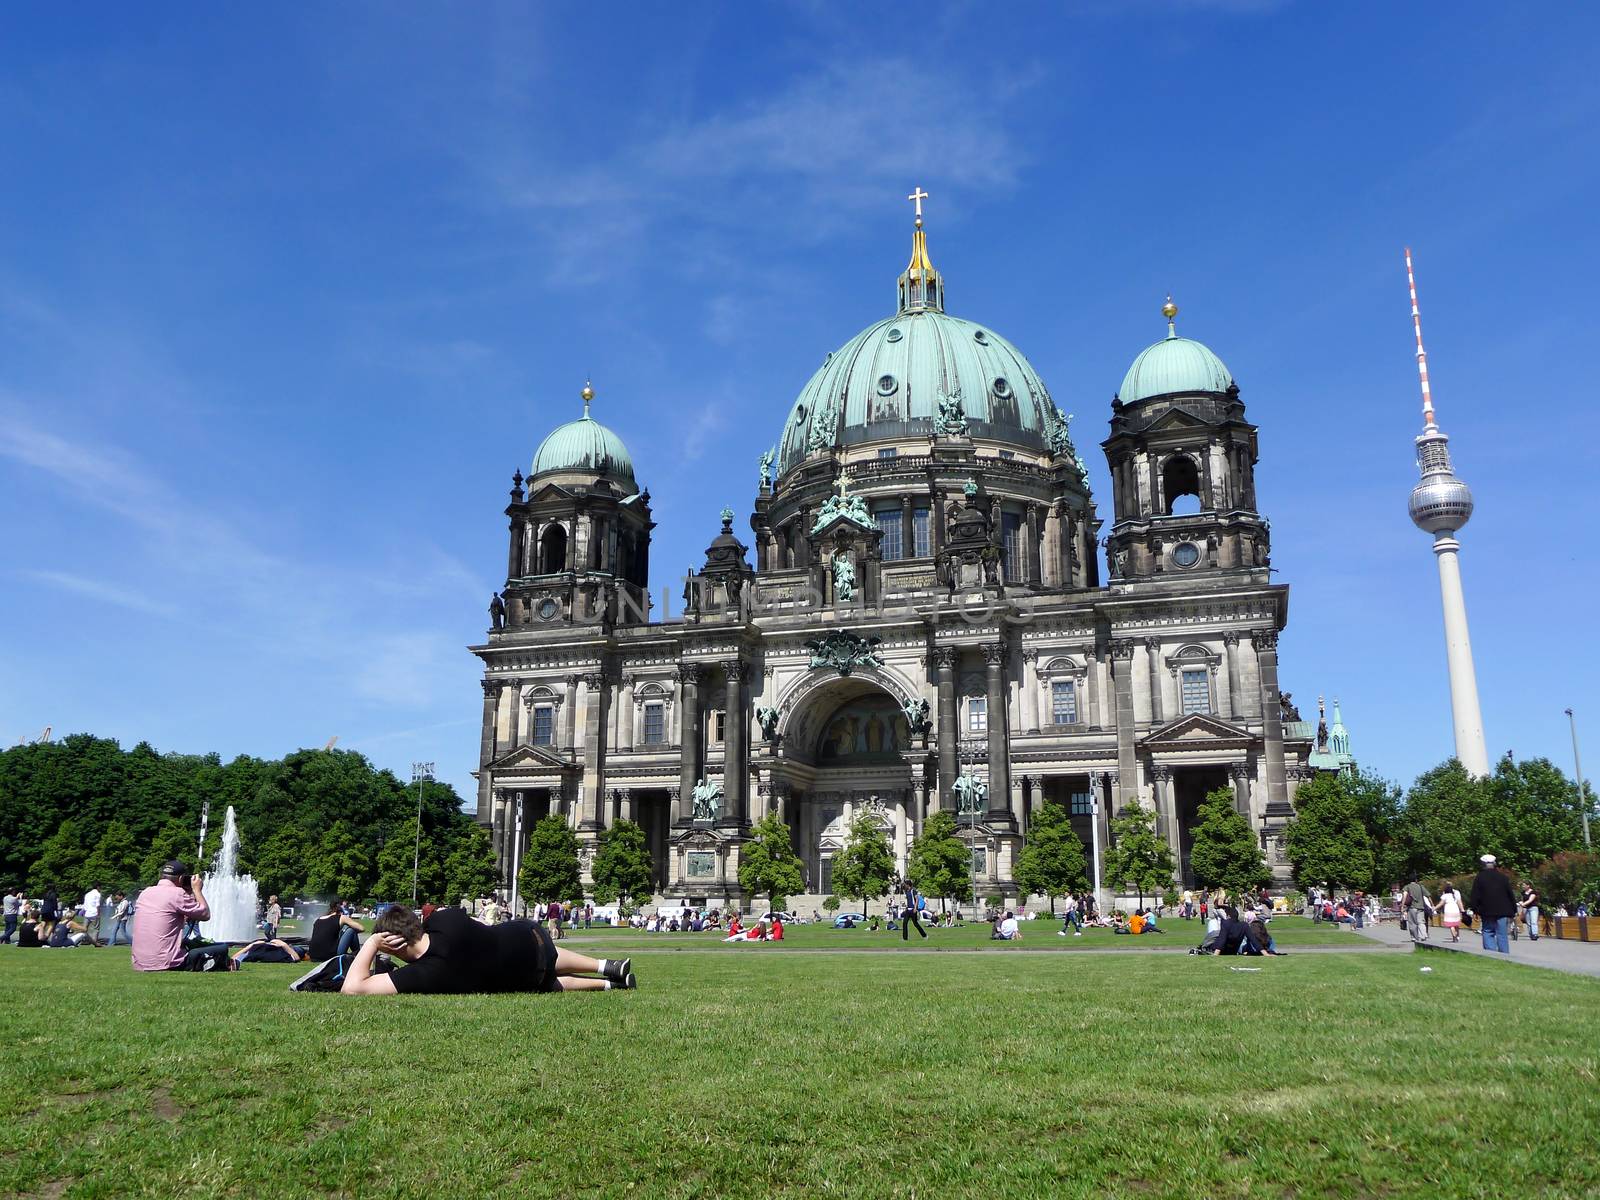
{"x": 54, "y": 923}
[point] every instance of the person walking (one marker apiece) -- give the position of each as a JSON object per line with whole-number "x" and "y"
{"x": 1492, "y": 901}
{"x": 272, "y": 919}
{"x": 1073, "y": 916}
{"x": 49, "y": 913}
{"x": 119, "y": 921}
{"x": 1418, "y": 906}
{"x": 913, "y": 914}
{"x": 1450, "y": 909}
{"x": 1530, "y": 911}
{"x": 91, "y": 915}
{"x": 13, "y": 910}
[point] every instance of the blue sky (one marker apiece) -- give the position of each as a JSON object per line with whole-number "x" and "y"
{"x": 286, "y": 295}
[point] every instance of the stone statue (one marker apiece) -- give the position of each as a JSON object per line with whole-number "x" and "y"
{"x": 844, "y": 577}
{"x": 1060, "y": 433}
{"x": 844, "y": 651}
{"x": 824, "y": 424}
{"x": 916, "y": 715}
{"x": 766, "y": 466}
{"x": 497, "y": 612}
{"x": 767, "y": 718}
{"x": 707, "y": 800}
{"x": 952, "y": 418}
{"x": 851, "y": 508}
{"x": 969, "y": 489}
{"x": 1290, "y": 710}
{"x": 972, "y": 792}
{"x": 1119, "y": 564}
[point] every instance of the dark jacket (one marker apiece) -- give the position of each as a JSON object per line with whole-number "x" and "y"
{"x": 1491, "y": 895}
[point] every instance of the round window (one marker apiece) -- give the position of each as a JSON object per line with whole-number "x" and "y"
{"x": 981, "y": 337}
{"x": 894, "y": 335}
{"x": 1001, "y": 388}
{"x": 886, "y": 385}
{"x": 1186, "y": 554}
{"x": 549, "y": 609}
{"x": 799, "y": 413}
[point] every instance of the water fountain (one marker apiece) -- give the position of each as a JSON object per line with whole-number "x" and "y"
{"x": 230, "y": 895}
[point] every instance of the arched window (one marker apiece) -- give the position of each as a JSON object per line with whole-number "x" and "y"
{"x": 553, "y": 550}
{"x": 1180, "y": 480}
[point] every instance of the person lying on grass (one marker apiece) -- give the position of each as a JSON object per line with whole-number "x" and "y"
{"x": 450, "y": 952}
{"x": 268, "y": 950}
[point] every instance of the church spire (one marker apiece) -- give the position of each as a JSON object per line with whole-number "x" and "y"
{"x": 921, "y": 287}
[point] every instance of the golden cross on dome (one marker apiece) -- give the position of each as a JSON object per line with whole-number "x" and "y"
{"x": 917, "y": 197}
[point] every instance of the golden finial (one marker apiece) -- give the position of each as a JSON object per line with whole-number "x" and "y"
{"x": 1169, "y": 310}
{"x": 588, "y": 395}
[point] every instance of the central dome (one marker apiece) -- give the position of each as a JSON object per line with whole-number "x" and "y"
{"x": 888, "y": 380}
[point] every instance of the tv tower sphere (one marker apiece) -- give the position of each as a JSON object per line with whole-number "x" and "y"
{"x": 1440, "y": 503}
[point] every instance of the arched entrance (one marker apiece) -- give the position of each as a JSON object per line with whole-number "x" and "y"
{"x": 847, "y": 747}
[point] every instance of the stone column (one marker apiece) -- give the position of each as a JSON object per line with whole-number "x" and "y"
{"x": 493, "y": 689}
{"x": 689, "y": 675}
{"x": 1166, "y": 810}
{"x": 594, "y": 748}
{"x": 901, "y": 818}
{"x": 735, "y": 812}
{"x": 919, "y": 802}
{"x": 1030, "y": 691}
{"x": 1122, "y": 679}
{"x": 569, "y": 714}
{"x": 626, "y": 715}
{"x": 1266, "y": 645}
{"x": 944, "y": 658}
{"x": 675, "y": 734}
{"x": 1106, "y": 794}
{"x": 1152, "y": 649}
{"x": 675, "y": 797}
{"x": 1231, "y": 642}
{"x": 1090, "y": 700}
{"x": 497, "y": 830}
{"x": 1031, "y": 800}
{"x": 908, "y": 536}
{"x": 1241, "y": 787}
{"x": 1035, "y": 578}
{"x": 994, "y": 655}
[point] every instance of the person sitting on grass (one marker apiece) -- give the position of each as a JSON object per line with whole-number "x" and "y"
{"x": 268, "y": 950}
{"x": 734, "y": 926}
{"x": 335, "y": 933}
{"x": 777, "y": 929}
{"x": 1007, "y": 930}
{"x": 1150, "y": 923}
{"x": 68, "y": 932}
{"x": 28, "y": 931}
{"x": 1236, "y": 937}
{"x": 451, "y": 952}
{"x": 1136, "y": 923}
{"x": 160, "y": 918}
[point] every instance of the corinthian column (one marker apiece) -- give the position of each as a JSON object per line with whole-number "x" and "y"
{"x": 692, "y": 744}
{"x": 1266, "y": 646}
{"x": 994, "y": 655}
{"x": 594, "y": 748}
{"x": 1152, "y": 649}
{"x": 944, "y": 659}
{"x": 1122, "y": 681}
{"x": 736, "y": 750}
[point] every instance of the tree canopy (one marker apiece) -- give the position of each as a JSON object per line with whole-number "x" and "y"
{"x": 550, "y": 863}
{"x": 622, "y": 866}
{"x": 1225, "y": 853}
{"x": 1137, "y": 858}
{"x": 1327, "y": 841}
{"x": 939, "y": 863}
{"x": 768, "y": 864}
{"x": 864, "y": 867}
{"x": 1051, "y": 862}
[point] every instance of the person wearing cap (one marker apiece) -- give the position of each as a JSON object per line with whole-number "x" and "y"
{"x": 159, "y": 920}
{"x": 1492, "y": 900}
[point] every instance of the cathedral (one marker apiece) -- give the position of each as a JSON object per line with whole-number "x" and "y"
{"x": 922, "y": 620}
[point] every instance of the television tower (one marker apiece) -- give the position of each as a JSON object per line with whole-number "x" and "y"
{"x": 1441, "y": 504}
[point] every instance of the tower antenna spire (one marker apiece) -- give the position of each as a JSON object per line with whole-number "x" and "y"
{"x": 1422, "y": 355}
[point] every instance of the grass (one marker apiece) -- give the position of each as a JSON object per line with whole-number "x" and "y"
{"x": 771, "y": 1073}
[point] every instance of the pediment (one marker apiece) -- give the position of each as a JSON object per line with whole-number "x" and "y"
{"x": 533, "y": 758}
{"x": 548, "y": 492}
{"x": 843, "y": 526}
{"x": 1196, "y": 730}
{"x": 1175, "y": 418}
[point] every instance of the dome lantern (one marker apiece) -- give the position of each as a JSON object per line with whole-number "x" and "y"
{"x": 921, "y": 287}
{"x": 584, "y": 446}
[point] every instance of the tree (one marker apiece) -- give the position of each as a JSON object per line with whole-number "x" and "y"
{"x": 176, "y": 840}
{"x": 340, "y": 865}
{"x": 1137, "y": 858}
{"x": 622, "y": 868}
{"x": 1051, "y": 863}
{"x": 113, "y": 865}
{"x": 940, "y": 863}
{"x": 404, "y": 855}
{"x": 831, "y": 904}
{"x": 865, "y": 866}
{"x": 1566, "y": 878}
{"x": 550, "y": 864}
{"x": 1327, "y": 841}
{"x": 1225, "y": 853}
{"x": 768, "y": 864}
{"x": 470, "y": 869}
{"x": 282, "y": 865}
{"x": 61, "y": 859}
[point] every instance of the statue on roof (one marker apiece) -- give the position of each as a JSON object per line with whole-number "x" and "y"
{"x": 707, "y": 800}
{"x": 971, "y": 792}
{"x": 851, "y": 508}
{"x": 766, "y": 466}
{"x": 824, "y": 423}
{"x": 767, "y": 718}
{"x": 497, "y": 612}
{"x": 952, "y": 418}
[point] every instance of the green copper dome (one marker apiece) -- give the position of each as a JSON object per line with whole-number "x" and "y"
{"x": 889, "y": 379}
{"x": 1174, "y": 365}
{"x": 586, "y": 446}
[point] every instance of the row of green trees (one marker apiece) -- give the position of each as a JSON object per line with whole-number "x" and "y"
{"x": 83, "y": 812}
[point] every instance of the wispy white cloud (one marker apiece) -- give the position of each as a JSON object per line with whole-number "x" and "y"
{"x": 101, "y": 591}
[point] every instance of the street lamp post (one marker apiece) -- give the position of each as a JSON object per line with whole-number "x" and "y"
{"x": 1577, "y": 771}
{"x": 421, "y": 772}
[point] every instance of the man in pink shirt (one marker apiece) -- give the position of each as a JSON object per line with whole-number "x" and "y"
{"x": 158, "y": 923}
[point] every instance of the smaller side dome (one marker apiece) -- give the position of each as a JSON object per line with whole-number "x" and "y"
{"x": 1174, "y": 365}
{"x": 585, "y": 446}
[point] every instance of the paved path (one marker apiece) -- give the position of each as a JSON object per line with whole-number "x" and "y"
{"x": 1575, "y": 958}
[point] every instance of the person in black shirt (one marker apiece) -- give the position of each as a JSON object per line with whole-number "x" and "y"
{"x": 334, "y": 933}
{"x": 451, "y": 952}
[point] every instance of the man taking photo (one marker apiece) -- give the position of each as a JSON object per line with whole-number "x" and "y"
{"x": 159, "y": 920}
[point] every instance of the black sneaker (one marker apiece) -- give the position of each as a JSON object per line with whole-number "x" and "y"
{"x": 627, "y": 983}
{"x": 618, "y": 969}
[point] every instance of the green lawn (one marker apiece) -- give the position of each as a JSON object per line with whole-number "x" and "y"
{"x": 775, "y": 1074}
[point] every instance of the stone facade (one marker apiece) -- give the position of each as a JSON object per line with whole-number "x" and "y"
{"x": 962, "y": 629}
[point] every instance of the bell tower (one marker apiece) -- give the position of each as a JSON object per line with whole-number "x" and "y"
{"x": 1182, "y": 459}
